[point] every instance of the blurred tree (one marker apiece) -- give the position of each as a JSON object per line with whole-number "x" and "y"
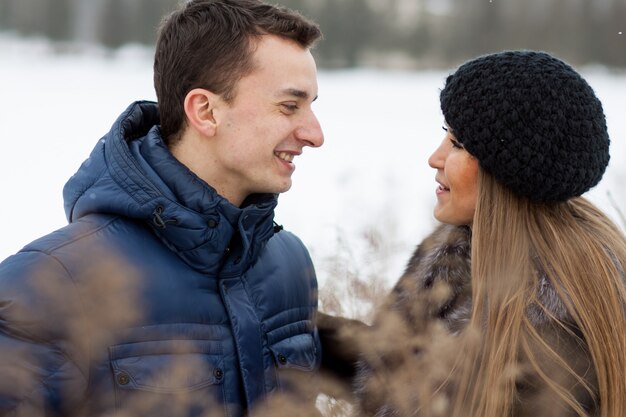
{"x": 418, "y": 37}
{"x": 368, "y": 32}
{"x": 57, "y": 19}
{"x": 348, "y": 26}
{"x": 303, "y": 6}
{"x": 393, "y": 22}
{"x": 38, "y": 17}
{"x": 615, "y": 34}
{"x": 116, "y": 25}
{"x": 87, "y": 15}
{"x": 4, "y": 11}
{"x": 152, "y": 12}
{"x": 474, "y": 27}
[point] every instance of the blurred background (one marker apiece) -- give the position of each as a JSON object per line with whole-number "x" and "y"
{"x": 374, "y": 33}
{"x": 363, "y": 201}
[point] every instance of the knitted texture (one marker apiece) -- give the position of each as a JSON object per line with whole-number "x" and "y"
{"x": 531, "y": 121}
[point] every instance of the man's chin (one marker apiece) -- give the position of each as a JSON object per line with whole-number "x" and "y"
{"x": 278, "y": 189}
{"x": 283, "y": 188}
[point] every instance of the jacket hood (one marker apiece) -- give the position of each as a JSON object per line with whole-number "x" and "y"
{"x": 131, "y": 173}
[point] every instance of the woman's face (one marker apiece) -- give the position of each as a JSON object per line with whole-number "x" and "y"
{"x": 457, "y": 175}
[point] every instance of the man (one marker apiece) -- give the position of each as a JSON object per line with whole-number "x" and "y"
{"x": 172, "y": 292}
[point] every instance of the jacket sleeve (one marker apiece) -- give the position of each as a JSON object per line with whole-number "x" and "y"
{"x": 339, "y": 338}
{"x": 40, "y": 371}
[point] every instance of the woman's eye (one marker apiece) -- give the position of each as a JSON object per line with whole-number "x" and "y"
{"x": 456, "y": 144}
{"x": 444, "y": 128}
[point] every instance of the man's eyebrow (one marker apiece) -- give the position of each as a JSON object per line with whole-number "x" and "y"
{"x": 296, "y": 93}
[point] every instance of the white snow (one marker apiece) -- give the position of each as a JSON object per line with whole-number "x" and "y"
{"x": 371, "y": 177}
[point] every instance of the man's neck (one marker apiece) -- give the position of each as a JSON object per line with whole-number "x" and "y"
{"x": 194, "y": 152}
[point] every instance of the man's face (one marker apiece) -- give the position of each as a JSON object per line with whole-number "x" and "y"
{"x": 268, "y": 123}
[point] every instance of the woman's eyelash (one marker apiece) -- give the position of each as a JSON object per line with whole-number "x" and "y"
{"x": 456, "y": 144}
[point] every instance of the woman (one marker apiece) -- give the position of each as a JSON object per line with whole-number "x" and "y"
{"x": 535, "y": 324}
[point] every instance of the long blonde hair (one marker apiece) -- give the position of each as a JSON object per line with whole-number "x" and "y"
{"x": 515, "y": 244}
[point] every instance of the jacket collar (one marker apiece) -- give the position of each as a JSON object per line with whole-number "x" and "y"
{"x": 186, "y": 213}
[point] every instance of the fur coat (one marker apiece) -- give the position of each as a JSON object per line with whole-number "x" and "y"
{"x": 403, "y": 362}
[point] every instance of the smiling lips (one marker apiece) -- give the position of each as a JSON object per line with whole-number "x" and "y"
{"x": 287, "y": 157}
{"x": 442, "y": 188}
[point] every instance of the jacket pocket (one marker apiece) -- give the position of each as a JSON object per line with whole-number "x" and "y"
{"x": 168, "y": 377}
{"x": 296, "y": 352}
{"x": 296, "y": 359}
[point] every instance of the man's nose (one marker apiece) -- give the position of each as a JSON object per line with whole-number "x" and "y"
{"x": 311, "y": 132}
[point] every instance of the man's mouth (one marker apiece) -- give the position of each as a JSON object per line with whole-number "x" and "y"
{"x": 284, "y": 156}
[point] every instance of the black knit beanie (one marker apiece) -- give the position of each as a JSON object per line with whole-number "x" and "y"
{"x": 531, "y": 121}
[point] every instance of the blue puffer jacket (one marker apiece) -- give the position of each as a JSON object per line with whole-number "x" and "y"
{"x": 159, "y": 298}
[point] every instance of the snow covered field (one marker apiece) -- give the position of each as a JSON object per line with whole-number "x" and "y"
{"x": 371, "y": 178}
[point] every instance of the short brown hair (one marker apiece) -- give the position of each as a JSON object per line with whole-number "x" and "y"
{"x": 207, "y": 44}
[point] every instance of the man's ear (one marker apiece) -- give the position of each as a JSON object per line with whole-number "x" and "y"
{"x": 199, "y": 106}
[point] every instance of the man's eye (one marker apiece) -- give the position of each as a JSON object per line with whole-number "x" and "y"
{"x": 290, "y": 107}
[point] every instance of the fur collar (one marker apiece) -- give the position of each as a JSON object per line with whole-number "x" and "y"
{"x": 441, "y": 265}
{"x": 406, "y": 352}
